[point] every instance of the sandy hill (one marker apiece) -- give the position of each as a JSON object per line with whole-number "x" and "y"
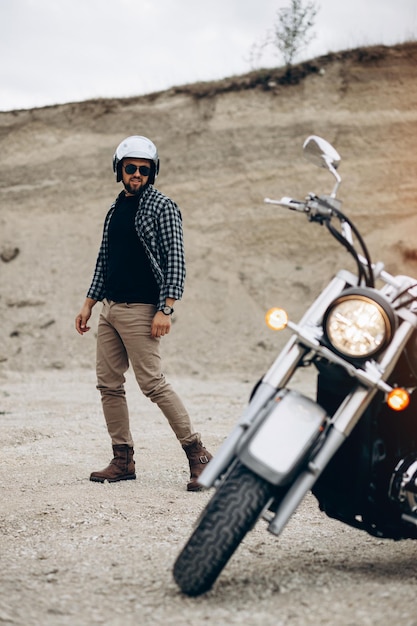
{"x": 224, "y": 146}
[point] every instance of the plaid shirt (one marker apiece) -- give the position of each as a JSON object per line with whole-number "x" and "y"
{"x": 159, "y": 227}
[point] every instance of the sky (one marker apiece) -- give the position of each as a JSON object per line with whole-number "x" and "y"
{"x": 55, "y": 51}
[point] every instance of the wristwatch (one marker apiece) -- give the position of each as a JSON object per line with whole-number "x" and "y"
{"x": 167, "y": 310}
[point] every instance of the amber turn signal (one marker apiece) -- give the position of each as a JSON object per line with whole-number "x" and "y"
{"x": 398, "y": 399}
{"x": 276, "y": 318}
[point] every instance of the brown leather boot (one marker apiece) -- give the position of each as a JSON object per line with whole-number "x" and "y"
{"x": 121, "y": 467}
{"x": 198, "y": 457}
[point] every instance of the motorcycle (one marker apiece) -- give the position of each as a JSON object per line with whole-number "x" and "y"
{"x": 353, "y": 445}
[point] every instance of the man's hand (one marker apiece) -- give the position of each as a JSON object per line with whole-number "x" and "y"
{"x": 83, "y": 316}
{"x": 161, "y": 324}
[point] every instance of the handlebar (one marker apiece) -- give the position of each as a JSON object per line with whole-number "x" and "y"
{"x": 321, "y": 209}
{"x": 316, "y": 207}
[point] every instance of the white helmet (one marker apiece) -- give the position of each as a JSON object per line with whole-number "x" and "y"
{"x": 136, "y": 147}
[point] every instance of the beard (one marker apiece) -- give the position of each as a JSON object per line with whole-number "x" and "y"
{"x": 133, "y": 190}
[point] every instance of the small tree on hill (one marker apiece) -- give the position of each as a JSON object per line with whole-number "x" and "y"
{"x": 291, "y": 33}
{"x": 292, "y": 30}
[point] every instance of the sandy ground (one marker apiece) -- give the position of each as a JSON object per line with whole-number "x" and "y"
{"x": 75, "y": 553}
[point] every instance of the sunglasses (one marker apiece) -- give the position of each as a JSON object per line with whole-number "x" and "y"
{"x": 131, "y": 169}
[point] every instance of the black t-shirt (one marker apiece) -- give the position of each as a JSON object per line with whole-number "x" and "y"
{"x": 129, "y": 274}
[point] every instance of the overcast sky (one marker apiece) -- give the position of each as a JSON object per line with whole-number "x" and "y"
{"x": 53, "y": 51}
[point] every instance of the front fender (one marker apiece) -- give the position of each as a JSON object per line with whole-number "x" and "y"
{"x": 276, "y": 446}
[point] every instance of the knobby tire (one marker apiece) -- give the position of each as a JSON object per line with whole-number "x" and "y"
{"x": 227, "y": 518}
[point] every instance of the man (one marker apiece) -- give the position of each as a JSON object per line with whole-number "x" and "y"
{"x": 139, "y": 275}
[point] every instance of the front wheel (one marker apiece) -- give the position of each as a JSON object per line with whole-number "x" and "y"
{"x": 228, "y": 517}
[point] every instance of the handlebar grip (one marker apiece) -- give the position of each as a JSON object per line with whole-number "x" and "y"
{"x": 289, "y": 203}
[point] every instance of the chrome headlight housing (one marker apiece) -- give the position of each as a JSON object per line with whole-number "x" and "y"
{"x": 359, "y": 323}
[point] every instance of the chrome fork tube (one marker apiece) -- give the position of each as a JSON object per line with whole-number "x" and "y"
{"x": 305, "y": 481}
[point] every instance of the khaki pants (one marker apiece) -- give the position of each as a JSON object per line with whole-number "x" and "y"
{"x": 124, "y": 334}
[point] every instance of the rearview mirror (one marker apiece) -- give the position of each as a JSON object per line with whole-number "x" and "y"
{"x": 321, "y": 152}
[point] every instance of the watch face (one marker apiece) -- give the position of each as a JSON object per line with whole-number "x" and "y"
{"x": 168, "y": 310}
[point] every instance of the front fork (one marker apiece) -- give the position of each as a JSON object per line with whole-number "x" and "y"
{"x": 351, "y": 409}
{"x": 262, "y": 396}
{"x": 276, "y": 378}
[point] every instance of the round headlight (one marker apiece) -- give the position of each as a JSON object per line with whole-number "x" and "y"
{"x": 359, "y": 324}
